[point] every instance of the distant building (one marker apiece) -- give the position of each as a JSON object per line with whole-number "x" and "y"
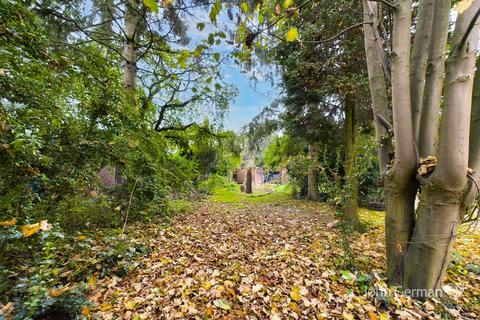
{"x": 257, "y": 175}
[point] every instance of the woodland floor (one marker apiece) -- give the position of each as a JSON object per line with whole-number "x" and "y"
{"x": 283, "y": 259}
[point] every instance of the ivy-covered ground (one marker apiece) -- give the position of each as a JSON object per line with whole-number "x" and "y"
{"x": 259, "y": 257}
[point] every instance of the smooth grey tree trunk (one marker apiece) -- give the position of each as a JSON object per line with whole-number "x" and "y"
{"x": 441, "y": 202}
{"x": 419, "y": 246}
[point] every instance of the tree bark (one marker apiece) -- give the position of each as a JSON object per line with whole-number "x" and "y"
{"x": 441, "y": 202}
{"x": 430, "y": 111}
{"x": 248, "y": 182}
{"x": 378, "y": 87}
{"x": 105, "y": 31}
{"x": 400, "y": 184}
{"x": 312, "y": 183}
{"x": 351, "y": 185}
{"x": 418, "y": 65}
{"x": 130, "y": 51}
{"x": 474, "y": 153}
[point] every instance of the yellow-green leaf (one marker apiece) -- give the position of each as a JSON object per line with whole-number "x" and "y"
{"x": 216, "y": 56}
{"x": 245, "y": 7}
{"x": 222, "y": 304}
{"x": 182, "y": 58}
{"x": 287, "y": 3}
{"x": 151, "y": 5}
{"x": 291, "y": 35}
{"x": 130, "y": 305}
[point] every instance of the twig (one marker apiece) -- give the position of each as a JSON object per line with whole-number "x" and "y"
{"x": 128, "y": 208}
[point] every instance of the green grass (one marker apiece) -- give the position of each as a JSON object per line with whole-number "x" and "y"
{"x": 279, "y": 193}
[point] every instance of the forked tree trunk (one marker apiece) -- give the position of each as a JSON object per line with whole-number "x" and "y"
{"x": 248, "y": 181}
{"x": 351, "y": 187}
{"x": 312, "y": 179}
{"x": 420, "y": 261}
{"x": 441, "y": 202}
{"x": 130, "y": 51}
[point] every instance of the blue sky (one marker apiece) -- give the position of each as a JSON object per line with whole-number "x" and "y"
{"x": 253, "y": 96}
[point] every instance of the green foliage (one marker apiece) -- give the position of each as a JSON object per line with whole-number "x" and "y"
{"x": 64, "y": 117}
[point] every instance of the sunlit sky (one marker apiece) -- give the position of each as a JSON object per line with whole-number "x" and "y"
{"x": 252, "y": 95}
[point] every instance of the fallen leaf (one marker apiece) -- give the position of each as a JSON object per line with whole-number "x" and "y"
{"x": 222, "y": 304}
{"x": 8, "y": 223}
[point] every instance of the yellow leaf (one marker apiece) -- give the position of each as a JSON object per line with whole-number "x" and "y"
{"x": 165, "y": 260}
{"x": 384, "y": 316}
{"x": 372, "y": 315}
{"x": 295, "y": 294}
{"x": 8, "y": 223}
{"x": 287, "y": 3}
{"x": 130, "y": 305}
{"x": 347, "y": 315}
{"x": 81, "y": 237}
{"x": 291, "y": 35}
{"x": 86, "y": 311}
{"x": 293, "y": 306}
{"x": 30, "y": 229}
{"x": 206, "y": 285}
{"x": 209, "y": 312}
{"x": 105, "y": 307}
{"x": 57, "y": 292}
{"x": 92, "y": 280}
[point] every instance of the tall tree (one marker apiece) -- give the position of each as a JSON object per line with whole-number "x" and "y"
{"x": 419, "y": 242}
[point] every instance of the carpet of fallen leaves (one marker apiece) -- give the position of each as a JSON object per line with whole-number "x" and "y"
{"x": 272, "y": 261}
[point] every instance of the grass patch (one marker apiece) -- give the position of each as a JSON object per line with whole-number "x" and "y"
{"x": 372, "y": 218}
{"x": 267, "y": 193}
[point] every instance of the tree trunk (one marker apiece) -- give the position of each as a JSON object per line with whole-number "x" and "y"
{"x": 130, "y": 51}
{"x": 248, "y": 182}
{"x": 312, "y": 183}
{"x": 419, "y": 60}
{"x": 399, "y": 180}
{"x": 351, "y": 187}
{"x": 430, "y": 112}
{"x": 104, "y": 33}
{"x": 378, "y": 87}
{"x": 441, "y": 202}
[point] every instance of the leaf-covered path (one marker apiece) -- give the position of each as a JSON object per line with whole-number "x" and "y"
{"x": 256, "y": 261}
